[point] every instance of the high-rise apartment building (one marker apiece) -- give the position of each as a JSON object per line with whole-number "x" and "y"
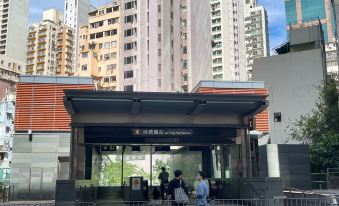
{"x": 162, "y": 45}
{"x": 228, "y": 36}
{"x": 99, "y": 48}
{"x": 13, "y": 40}
{"x": 304, "y": 13}
{"x": 50, "y": 46}
{"x": 76, "y": 15}
{"x": 14, "y": 21}
{"x": 256, "y": 34}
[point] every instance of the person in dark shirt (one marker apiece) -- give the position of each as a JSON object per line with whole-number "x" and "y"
{"x": 163, "y": 177}
{"x": 175, "y": 183}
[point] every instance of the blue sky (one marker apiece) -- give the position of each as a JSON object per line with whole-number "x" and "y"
{"x": 275, "y": 10}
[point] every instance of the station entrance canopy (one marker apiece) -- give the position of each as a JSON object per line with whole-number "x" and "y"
{"x": 139, "y": 118}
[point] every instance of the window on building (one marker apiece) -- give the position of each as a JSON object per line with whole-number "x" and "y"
{"x": 184, "y": 49}
{"x": 99, "y": 35}
{"x": 128, "y": 74}
{"x": 185, "y": 77}
{"x": 116, "y": 8}
{"x": 128, "y": 32}
{"x": 128, "y": 46}
{"x": 159, "y": 82}
{"x": 107, "y": 45}
{"x": 113, "y": 55}
{"x": 106, "y": 57}
{"x": 84, "y": 67}
{"x": 109, "y": 10}
{"x": 8, "y": 129}
{"x": 96, "y": 24}
{"x": 114, "y": 44}
{"x": 113, "y": 79}
{"x": 111, "y": 66}
{"x": 159, "y": 52}
{"x": 113, "y": 21}
{"x": 128, "y": 60}
{"x": 128, "y": 88}
{"x": 114, "y": 32}
{"x": 129, "y": 19}
{"x": 129, "y": 5}
{"x": 84, "y": 55}
{"x": 217, "y": 77}
{"x": 107, "y": 33}
{"x": 100, "y": 45}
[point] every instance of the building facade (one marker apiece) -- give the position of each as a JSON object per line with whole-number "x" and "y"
{"x": 162, "y": 45}
{"x": 7, "y": 109}
{"x": 50, "y": 46}
{"x": 256, "y": 35}
{"x": 14, "y": 21}
{"x": 10, "y": 69}
{"x": 99, "y": 48}
{"x": 292, "y": 80}
{"x": 304, "y": 13}
{"x": 41, "y": 140}
{"x": 228, "y": 36}
{"x": 76, "y": 15}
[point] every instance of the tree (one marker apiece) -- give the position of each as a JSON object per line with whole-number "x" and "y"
{"x": 320, "y": 128}
{"x": 156, "y": 169}
{"x": 112, "y": 173}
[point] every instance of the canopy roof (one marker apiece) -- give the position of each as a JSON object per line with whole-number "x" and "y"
{"x": 137, "y": 103}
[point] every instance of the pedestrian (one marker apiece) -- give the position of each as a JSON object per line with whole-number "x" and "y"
{"x": 163, "y": 177}
{"x": 202, "y": 190}
{"x": 178, "y": 187}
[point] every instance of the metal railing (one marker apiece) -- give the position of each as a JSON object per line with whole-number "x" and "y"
{"x": 226, "y": 202}
{"x": 234, "y": 202}
{"x": 326, "y": 180}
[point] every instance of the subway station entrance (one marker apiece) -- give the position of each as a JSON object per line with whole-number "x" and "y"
{"x": 190, "y": 132}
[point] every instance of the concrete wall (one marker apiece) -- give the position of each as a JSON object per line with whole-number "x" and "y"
{"x": 16, "y": 46}
{"x": 289, "y": 162}
{"x": 292, "y": 81}
{"x": 35, "y": 164}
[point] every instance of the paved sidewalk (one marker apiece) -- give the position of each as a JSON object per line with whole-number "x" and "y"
{"x": 29, "y": 203}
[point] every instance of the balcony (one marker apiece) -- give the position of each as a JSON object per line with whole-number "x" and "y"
{"x": 43, "y": 29}
{"x": 40, "y": 68}
{"x": 42, "y": 42}
{"x": 29, "y": 68}
{"x": 42, "y": 35}
{"x": 41, "y": 63}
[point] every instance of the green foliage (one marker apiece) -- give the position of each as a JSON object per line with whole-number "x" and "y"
{"x": 158, "y": 164}
{"x": 320, "y": 129}
{"x": 325, "y": 154}
{"x": 112, "y": 173}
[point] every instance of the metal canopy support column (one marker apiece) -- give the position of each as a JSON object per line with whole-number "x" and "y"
{"x": 222, "y": 161}
{"x": 77, "y": 162}
{"x": 245, "y": 153}
{"x": 151, "y": 179}
{"x": 122, "y": 165}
